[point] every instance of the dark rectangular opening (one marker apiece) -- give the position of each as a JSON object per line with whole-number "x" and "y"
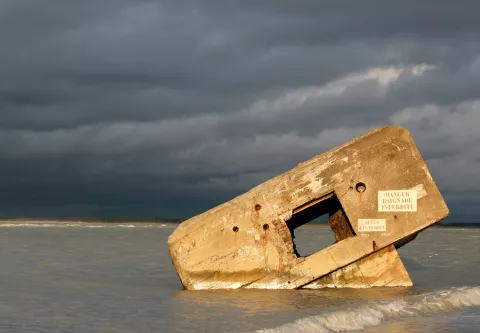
{"x": 328, "y": 207}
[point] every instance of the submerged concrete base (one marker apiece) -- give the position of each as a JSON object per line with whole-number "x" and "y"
{"x": 381, "y": 269}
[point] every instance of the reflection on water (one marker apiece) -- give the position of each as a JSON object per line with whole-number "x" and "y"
{"x": 250, "y": 300}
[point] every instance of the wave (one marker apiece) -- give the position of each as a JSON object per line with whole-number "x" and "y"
{"x": 438, "y": 302}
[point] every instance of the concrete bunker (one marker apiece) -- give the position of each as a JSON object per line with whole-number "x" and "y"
{"x": 233, "y": 246}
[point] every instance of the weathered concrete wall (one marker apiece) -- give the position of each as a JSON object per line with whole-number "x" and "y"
{"x": 246, "y": 242}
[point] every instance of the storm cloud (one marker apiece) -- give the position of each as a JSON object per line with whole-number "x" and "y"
{"x": 171, "y": 107}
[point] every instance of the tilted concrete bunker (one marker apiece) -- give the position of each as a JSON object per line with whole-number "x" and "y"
{"x": 377, "y": 191}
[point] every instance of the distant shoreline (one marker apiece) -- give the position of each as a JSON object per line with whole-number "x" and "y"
{"x": 89, "y": 220}
{"x": 457, "y": 225}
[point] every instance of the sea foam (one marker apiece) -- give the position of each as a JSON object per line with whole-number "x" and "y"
{"x": 373, "y": 314}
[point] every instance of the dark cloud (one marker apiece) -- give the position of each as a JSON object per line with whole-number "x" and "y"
{"x": 171, "y": 107}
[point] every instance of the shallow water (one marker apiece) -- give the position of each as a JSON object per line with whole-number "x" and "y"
{"x": 119, "y": 278}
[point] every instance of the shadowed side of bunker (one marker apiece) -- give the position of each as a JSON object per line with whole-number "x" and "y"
{"x": 376, "y": 191}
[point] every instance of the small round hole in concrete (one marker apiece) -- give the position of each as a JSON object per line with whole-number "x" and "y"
{"x": 235, "y": 229}
{"x": 258, "y": 207}
{"x": 360, "y": 187}
{"x": 265, "y": 227}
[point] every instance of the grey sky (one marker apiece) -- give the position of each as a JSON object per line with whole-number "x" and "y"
{"x": 170, "y": 107}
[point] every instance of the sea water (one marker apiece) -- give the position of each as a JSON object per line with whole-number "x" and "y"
{"x": 119, "y": 278}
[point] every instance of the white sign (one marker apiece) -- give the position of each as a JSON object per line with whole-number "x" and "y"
{"x": 397, "y": 201}
{"x": 367, "y": 225}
